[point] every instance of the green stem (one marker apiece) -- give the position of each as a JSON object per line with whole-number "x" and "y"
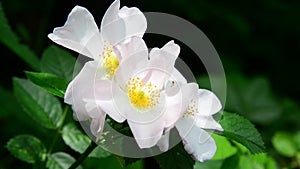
{"x": 66, "y": 109}
{"x": 83, "y": 156}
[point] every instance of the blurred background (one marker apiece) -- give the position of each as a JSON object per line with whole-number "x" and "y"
{"x": 258, "y": 42}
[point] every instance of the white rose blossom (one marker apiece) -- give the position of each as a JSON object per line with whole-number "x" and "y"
{"x": 81, "y": 34}
{"x": 197, "y": 118}
{"x": 128, "y": 83}
{"x": 137, "y": 93}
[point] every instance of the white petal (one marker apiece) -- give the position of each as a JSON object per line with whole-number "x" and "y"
{"x": 119, "y": 25}
{"x": 80, "y": 33}
{"x": 196, "y": 141}
{"x": 113, "y": 28}
{"x": 135, "y": 21}
{"x": 147, "y": 135}
{"x": 103, "y": 89}
{"x": 168, "y": 53}
{"x": 172, "y": 49}
{"x": 208, "y": 103}
{"x": 174, "y": 82}
{"x": 207, "y": 122}
{"x": 98, "y": 119}
{"x": 165, "y": 57}
{"x": 178, "y": 77}
{"x": 108, "y": 104}
{"x": 178, "y": 103}
{"x": 163, "y": 143}
{"x": 135, "y": 46}
{"x": 80, "y": 88}
{"x": 111, "y": 14}
{"x": 163, "y": 60}
{"x": 97, "y": 126}
{"x": 124, "y": 107}
{"x": 82, "y": 84}
{"x": 127, "y": 69}
{"x": 109, "y": 108}
{"x": 68, "y": 98}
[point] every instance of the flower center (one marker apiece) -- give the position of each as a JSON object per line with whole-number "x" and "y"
{"x": 110, "y": 62}
{"x": 142, "y": 96}
{"x": 192, "y": 109}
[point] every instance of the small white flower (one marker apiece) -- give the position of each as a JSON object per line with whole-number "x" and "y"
{"x": 107, "y": 47}
{"x": 191, "y": 127}
{"x": 139, "y": 96}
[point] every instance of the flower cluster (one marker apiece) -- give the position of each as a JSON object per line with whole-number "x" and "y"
{"x": 126, "y": 82}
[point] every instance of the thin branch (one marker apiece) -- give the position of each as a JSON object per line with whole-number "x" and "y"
{"x": 84, "y": 155}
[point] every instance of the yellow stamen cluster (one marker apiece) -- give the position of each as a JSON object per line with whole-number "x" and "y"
{"x": 142, "y": 96}
{"x": 192, "y": 109}
{"x": 110, "y": 62}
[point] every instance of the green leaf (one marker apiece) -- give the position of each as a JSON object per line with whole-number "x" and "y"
{"x": 60, "y": 160}
{"x": 243, "y": 131}
{"x": 297, "y": 157}
{"x": 59, "y": 62}
{"x": 271, "y": 163}
{"x": 224, "y": 148}
{"x": 136, "y": 164}
{"x": 176, "y": 158}
{"x": 27, "y": 148}
{"x": 262, "y": 161}
{"x": 110, "y": 162}
{"x": 246, "y": 163}
{"x": 11, "y": 41}
{"x": 256, "y": 161}
{"x": 99, "y": 152}
{"x": 51, "y": 83}
{"x": 230, "y": 162}
{"x": 211, "y": 164}
{"x": 284, "y": 144}
{"x": 74, "y": 138}
{"x": 297, "y": 139}
{"x": 125, "y": 161}
{"x": 41, "y": 106}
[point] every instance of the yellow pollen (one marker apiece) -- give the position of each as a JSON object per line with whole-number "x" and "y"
{"x": 142, "y": 96}
{"x": 192, "y": 109}
{"x": 110, "y": 60}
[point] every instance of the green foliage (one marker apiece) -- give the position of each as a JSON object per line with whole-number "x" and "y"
{"x": 125, "y": 161}
{"x": 99, "y": 152}
{"x": 285, "y": 144}
{"x": 41, "y": 106}
{"x": 51, "y": 83}
{"x": 257, "y": 161}
{"x": 297, "y": 139}
{"x": 243, "y": 131}
{"x": 110, "y": 162}
{"x": 60, "y": 160}
{"x": 176, "y": 158}
{"x": 74, "y": 138}
{"x": 59, "y": 62}
{"x": 11, "y": 41}
{"x": 27, "y": 148}
{"x": 298, "y": 157}
{"x": 230, "y": 162}
{"x": 212, "y": 164}
{"x": 224, "y": 148}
